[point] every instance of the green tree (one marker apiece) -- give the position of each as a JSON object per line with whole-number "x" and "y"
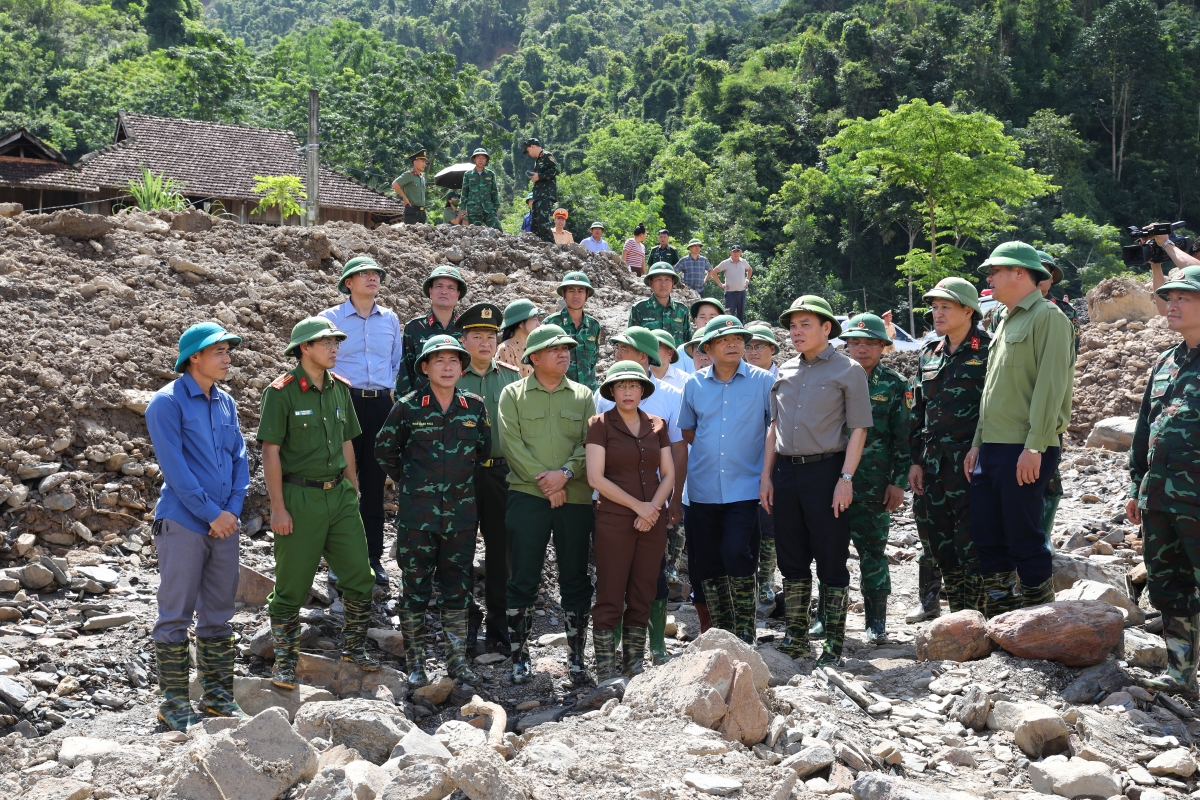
{"x": 1091, "y": 251}
{"x": 280, "y": 191}
{"x": 620, "y": 153}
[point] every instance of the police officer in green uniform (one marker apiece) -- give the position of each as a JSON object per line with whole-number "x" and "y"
{"x": 659, "y": 312}
{"x": 444, "y": 287}
{"x": 306, "y": 427}
{"x": 480, "y": 196}
{"x": 431, "y": 445}
{"x": 411, "y": 188}
{"x": 545, "y": 189}
{"x": 663, "y": 251}
{"x": 575, "y": 290}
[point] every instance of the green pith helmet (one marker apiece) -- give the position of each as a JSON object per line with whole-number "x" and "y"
{"x": 626, "y": 371}
{"x": 763, "y": 333}
{"x": 360, "y": 264}
{"x": 544, "y": 336}
{"x": 1185, "y": 278}
{"x": 641, "y": 339}
{"x": 1015, "y": 254}
{"x": 529, "y": 197}
{"x": 712, "y": 301}
{"x": 694, "y": 243}
{"x": 691, "y": 344}
{"x": 596, "y": 224}
{"x": 813, "y": 305}
{"x": 960, "y": 290}
{"x": 1056, "y": 274}
{"x": 575, "y": 279}
{"x": 479, "y": 151}
{"x": 519, "y": 311}
{"x": 436, "y": 344}
{"x": 446, "y": 272}
{"x": 310, "y": 330}
{"x": 661, "y": 268}
{"x": 724, "y": 325}
{"x": 665, "y": 338}
{"x": 866, "y": 326}
{"x": 200, "y": 336}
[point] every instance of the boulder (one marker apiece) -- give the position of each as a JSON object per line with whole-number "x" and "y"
{"x": 1177, "y": 763}
{"x": 720, "y": 639}
{"x": 781, "y": 667}
{"x": 1145, "y": 650}
{"x": 365, "y": 779}
{"x": 436, "y": 692}
{"x": 1040, "y": 731}
{"x": 420, "y": 782}
{"x": 1107, "y": 676}
{"x": 550, "y": 756}
{"x": 192, "y": 221}
{"x": 418, "y": 747}
{"x": 344, "y": 678}
{"x": 256, "y": 695}
{"x": 1078, "y": 633}
{"x": 1073, "y": 778}
{"x": 253, "y": 587}
{"x": 36, "y": 576}
{"x": 1113, "y": 433}
{"x": 458, "y": 736}
{"x": 877, "y": 786}
{"x": 77, "y": 749}
{"x": 1115, "y": 299}
{"x": 71, "y": 223}
{"x": 972, "y": 710}
{"x": 693, "y": 685}
{"x": 1068, "y": 569}
{"x": 388, "y": 640}
{"x": 481, "y": 774}
{"x": 372, "y": 727}
{"x": 1088, "y": 589}
{"x": 747, "y": 719}
{"x": 58, "y": 789}
{"x": 811, "y": 759}
{"x": 961, "y": 636}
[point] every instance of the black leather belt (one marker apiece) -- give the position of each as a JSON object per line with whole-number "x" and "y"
{"x": 418, "y": 208}
{"x": 494, "y": 462}
{"x": 369, "y": 393}
{"x": 812, "y": 459}
{"x": 311, "y": 484}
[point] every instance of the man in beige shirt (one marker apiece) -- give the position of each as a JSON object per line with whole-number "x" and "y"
{"x": 820, "y": 413}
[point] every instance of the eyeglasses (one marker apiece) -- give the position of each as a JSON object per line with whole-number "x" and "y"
{"x": 330, "y": 344}
{"x": 753, "y": 348}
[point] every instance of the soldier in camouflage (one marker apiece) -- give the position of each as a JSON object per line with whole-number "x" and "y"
{"x": 545, "y": 189}
{"x": 430, "y": 446}
{"x": 480, "y": 195}
{"x": 444, "y": 287}
{"x": 945, "y": 409}
{"x": 1165, "y": 493}
{"x": 659, "y": 312}
{"x": 576, "y": 290}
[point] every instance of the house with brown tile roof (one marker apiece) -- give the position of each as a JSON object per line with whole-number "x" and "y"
{"x": 36, "y": 175}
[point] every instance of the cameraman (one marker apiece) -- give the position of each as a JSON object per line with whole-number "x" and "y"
{"x": 1180, "y": 258}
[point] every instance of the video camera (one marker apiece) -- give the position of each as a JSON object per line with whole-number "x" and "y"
{"x": 1140, "y": 254}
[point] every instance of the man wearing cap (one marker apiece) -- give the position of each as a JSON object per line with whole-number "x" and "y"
{"x": 659, "y": 312}
{"x": 480, "y": 197}
{"x": 444, "y": 287}
{"x": 194, "y": 428}
{"x": 306, "y": 428}
{"x": 543, "y": 424}
{"x": 1165, "y": 493}
{"x": 946, "y": 390}
{"x": 882, "y": 474}
{"x": 663, "y": 251}
{"x": 1025, "y": 407}
{"x": 702, "y": 311}
{"x": 724, "y": 417}
{"x": 369, "y": 360}
{"x": 694, "y": 267}
{"x": 411, "y": 188}
{"x": 820, "y": 413}
{"x": 545, "y": 188}
{"x": 575, "y": 290}
{"x": 452, "y": 214}
{"x": 595, "y": 243}
{"x": 737, "y": 278}
{"x": 486, "y": 377}
{"x": 431, "y": 445}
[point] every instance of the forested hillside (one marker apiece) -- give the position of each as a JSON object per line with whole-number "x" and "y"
{"x": 725, "y": 119}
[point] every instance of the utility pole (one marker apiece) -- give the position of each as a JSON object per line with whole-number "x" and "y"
{"x": 313, "y": 183}
{"x": 865, "y": 300}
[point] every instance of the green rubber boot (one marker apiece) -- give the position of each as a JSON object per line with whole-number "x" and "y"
{"x": 875, "y": 609}
{"x": 354, "y": 632}
{"x": 1180, "y": 677}
{"x": 412, "y": 626}
{"x": 458, "y": 661}
{"x": 1038, "y": 595}
{"x": 633, "y": 650}
{"x": 796, "y": 596}
{"x": 720, "y": 602}
{"x": 766, "y": 571}
{"x": 617, "y": 632}
{"x": 286, "y": 633}
{"x": 929, "y": 586}
{"x": 836, "y": 598}
{"x": 175, "y": 711}
{"x": 745, "y": 604}
{"x": 520, "y": 623}
{"x": 996, "y": 594}
{"x": 603, "y": 642}
{"x": 675, "y": 542}
{"x": 816, "y": 629}
{"x": 954, "y": 583}
{"x": 658, "y": 632}
{"x": 577, "y": 628}
{"x": 214, "y": 669}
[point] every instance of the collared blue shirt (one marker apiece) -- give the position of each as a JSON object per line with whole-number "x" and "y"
{"x": 527, "y": 222}
{"x": 370, "y": 356}
{"x": 694, "y": 271}
{"x": 730, "y": 421}
{"x": 200, "y": 450}
{"x": 591, "y": 245}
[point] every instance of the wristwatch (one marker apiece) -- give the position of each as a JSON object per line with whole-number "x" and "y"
{"x": 1032, "y": 450}
{"x": 847, "y": 476}
{"x": 570, "y": 475}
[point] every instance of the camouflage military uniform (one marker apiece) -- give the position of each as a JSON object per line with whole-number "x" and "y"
{"x": 431, "y": 455}
{"x": 668, "y": 254}
{"x": 480, "y": 198}
{"x": 674, "y": 318}
{"x": 417, "y": 331}
{"x": 545, "y": 196}
{"x": 946, "y": 393}
{"x": 584, "y": 357}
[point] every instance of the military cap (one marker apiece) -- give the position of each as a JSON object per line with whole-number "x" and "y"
{"x": 575, "y": 279}
{"x": 200, "y": 336}
{"x": 453, "y": 196}
{"x": 1185, "y": 278}
{"x": 519, "y": 311}
{"x": 480, "y": 315}
{"x": 661, "y": 268}
{"x": 712, "y": 301}
{"x": 360, "y": 264}
{"x": 813, "y": 305}
{"x": 1015, "y": 254}
{"x": 446, "y": 272}
{"x": 596, "y": 224}
{"x": 626, "y": 371}
{"x": 1056, "y": 274}
{"x": 544, "y": 336}
{"x": 641, "y": 339}
{"x": 724, "y": 325}
{"x": 866, "y": 326}
{"x": 310, "y": 330}
{"x": 960, "y": 290}
{"x": 440, "y": 343}
{"x": 763, "y": 333}
{"x": 531, "y": 142}
{"x": 665, "y": 337}
{"x": 479, "y": 151}
{"x": 419, "y": 154}
{"x": 695, "y": 243}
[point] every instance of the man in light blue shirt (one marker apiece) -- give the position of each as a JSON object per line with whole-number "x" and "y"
{"x": 194, "y": 430}
{"x": 595, "y": 243}
{"x": 369, "y": 359}
{"x": 724, "y": 416}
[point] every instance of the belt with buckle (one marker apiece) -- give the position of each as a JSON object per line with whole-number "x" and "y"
{"x": 418, "y": 208}
{"x": 369, "y": 393}
{"x": 311, "y": 484}
{"x": 494, "y": 462}
{"x": 813, "y": 459}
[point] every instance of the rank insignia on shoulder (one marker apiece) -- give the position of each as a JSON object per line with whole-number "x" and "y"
{"x": 340, "y": 378}
{"x": 282, "y": 381}
{"x": 462, "y": 401}
{"x": 425, "y": 401}
{"x": 974, "y": 342}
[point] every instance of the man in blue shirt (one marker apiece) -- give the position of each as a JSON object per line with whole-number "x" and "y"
{"x": 724, "y": 416}
{"x": 194, "y": 429}
{"x": 595, "y": 243}
{"x": 527, "y": 220}
{"x": 369, "y": 360}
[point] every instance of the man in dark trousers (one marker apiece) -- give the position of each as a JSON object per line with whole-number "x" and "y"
{"x": 545, "y": 189}
{"x": 411, "y": 188}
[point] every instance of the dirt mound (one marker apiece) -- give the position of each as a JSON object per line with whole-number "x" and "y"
{"x": 1115, "y": 299}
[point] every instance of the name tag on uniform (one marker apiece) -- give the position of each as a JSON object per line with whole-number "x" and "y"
{"x": 306, "y": 412}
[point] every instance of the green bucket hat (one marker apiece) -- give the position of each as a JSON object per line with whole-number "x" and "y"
{"x": 544, "y": 336}
{"x": 960, "y": 290}
{"x": 712, "y": 301}
{"x": 866, "y": 326}
{"x": 661, "y": 268}
{"x": 1014, "y": 254}
{"x": 446, "y": 272}
{"x": 439, "y": 343}
{"x": 814, "y": 305}
{"x": 666, "y": 338}
{"x": 310, "y": 330}
{"x": 763, "y": 333}
{"x": 519, "y": 311}
{"x": 724, "y": 325}
{"x": 1056, "y": 274}
{"x": 200, "y": 336}
{"x": 1186, "y": 278}
{"x": 576, "y": 279}
{"x": 626, "y": 371}
{"x": 641, "y": 339}
{"x": 360, "y": 264}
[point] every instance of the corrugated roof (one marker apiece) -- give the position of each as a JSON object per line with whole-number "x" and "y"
{"x": 27, "y": 173}
{"x": 211, "y": 159}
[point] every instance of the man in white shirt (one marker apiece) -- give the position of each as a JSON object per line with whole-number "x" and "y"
{"x": 668, "y": 356}
{"x": 737, "y": 278}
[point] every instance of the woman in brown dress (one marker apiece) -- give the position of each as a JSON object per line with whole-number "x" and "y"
{"x": 629, "y": 464}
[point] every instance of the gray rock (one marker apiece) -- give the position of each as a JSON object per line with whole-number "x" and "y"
{"x": 36, "y": 576}
{"x": 779, "y": 665}
{"x": 720, "y": 639}
{"x": 29, "y": 472}
{"x": 551, "y": 756}
{"x": 77, "y": 749}
{"x": 420, "y": 782}
{"x": 125, "y": 765}
{"x": 1107, "y": 676}
{"x": 372, "y": 727}
{"x": 1068, "y": 569}
{"x": 15, "y": 690}
{"x": 973, "y": 709}
{"x": 1041, "y": 731}
{"x": 1113, "y": 433}
{"x": 9, "y": 666}
{"x": 481, "y": 774}
{"x": 708, "y": 783}
{"x": 253, "y": 587}
{"x": 102, "y": 575}
{"x": 1088, "y": 589}
{"x": 810, "y": 760}
{"x": 418, "y": 747}
{"x": 61, "y": 501}
{"x": 106, "y": 621}
{"x": 59, "y": 789}
{"x": 537, "y": 717}
{"x": 877, "y": 786}
{"x": 1073, "y": 778}
{"x": 256, "y": 695}
{"x": 1145, "y": 650}
{"x": 458, "y": 736}
{"x": 1173, "y": 763}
